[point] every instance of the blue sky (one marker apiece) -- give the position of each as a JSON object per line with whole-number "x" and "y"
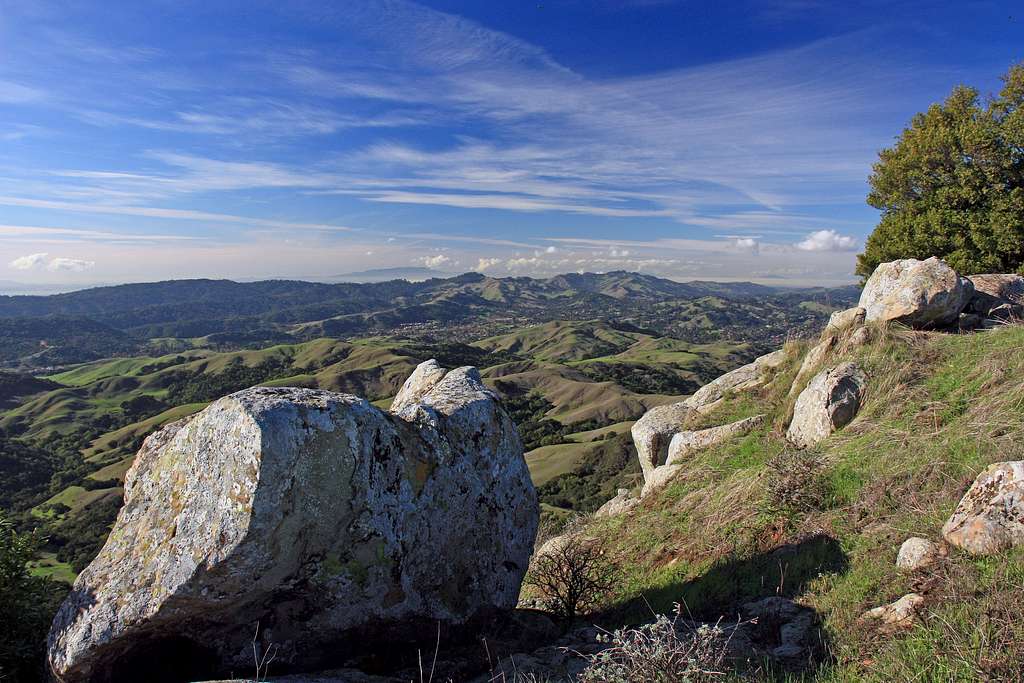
{"x": 729, "y": 140}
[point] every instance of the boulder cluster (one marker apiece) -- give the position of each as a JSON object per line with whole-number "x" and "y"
{"x": 926, "y": 295}
{"x": 310, "y": 519}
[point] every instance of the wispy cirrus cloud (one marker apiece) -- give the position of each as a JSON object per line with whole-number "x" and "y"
{"x": 363, "y": 122}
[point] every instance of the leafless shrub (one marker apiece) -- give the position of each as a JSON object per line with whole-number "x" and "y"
{"x": 262, "y": 658}
{"x": 792, "y": 482}
{"x": 573, "y": 575}
{"x": 661, "y": 652}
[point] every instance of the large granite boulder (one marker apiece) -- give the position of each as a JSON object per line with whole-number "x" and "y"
{"x": 921, "y": 294}
{"x": 830, "y": 401}
{"x": 997, "y": 294}
{"x": 310, "y": 517}
{"x": 990, "y": 516}
{"x": 749, "y": 376}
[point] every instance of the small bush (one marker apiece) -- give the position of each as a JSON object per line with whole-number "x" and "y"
{"x": 573, "y": 577}
{"x": 661, "y": 652}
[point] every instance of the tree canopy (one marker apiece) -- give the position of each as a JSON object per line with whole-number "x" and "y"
{"x": 953, "y": 184}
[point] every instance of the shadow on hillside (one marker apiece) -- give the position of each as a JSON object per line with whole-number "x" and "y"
{"x": 723, "y": 590}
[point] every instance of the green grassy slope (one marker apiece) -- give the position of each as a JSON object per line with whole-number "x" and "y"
{"x": 753, "y": 518}
{"x": 100, "y": 412}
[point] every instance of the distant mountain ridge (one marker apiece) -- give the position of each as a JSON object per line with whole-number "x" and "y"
{"x": 467, "y": 306}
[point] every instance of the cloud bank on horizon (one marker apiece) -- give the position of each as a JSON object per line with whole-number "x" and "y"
{"x": 310, "y": 139}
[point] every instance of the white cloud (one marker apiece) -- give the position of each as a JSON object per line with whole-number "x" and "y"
{"x": 30, "y": 262}
{"x": 435, "y": 261}
{"x": 747, "y": 244}
{"x": 485, "y": 263}
{"x": 71, "y": 265}
{"x": 827, "y": 240}
{"x": 551, "y": 250}
{"x": 56, "y": 264}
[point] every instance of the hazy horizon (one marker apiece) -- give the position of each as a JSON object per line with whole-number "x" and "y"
{"x": 184, "y": 140}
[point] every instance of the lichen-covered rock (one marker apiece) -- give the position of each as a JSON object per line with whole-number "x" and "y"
{"x": 997, "y": 294}
{"x": 990, "y": 516}
{"x": 916, "y": 553}
{"x": 921, "y": 294}
{"x": 653, "y": 432}
{"x": 830, "y": 401}
{"x": 311, "y": 514}
{"x": 748, "y": 376}
{"x": 623, "y": 502}
{"x": 686, "y": 442}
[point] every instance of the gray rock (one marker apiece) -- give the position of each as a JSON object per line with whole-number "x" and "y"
{"x": 896, "y": 616}
{"x": 999, "y": 294}
{"x": 653, "y": 432}
{"x": 622, "y": 503}
{"x": 830, "y": 401}
{"x": 916, "y": 553}
{"x": 749, "y": 376}
{"x": 687, "y": 442}
{"x": 796, "y": 629}
{"x": 812, "y": 360}
{"x": 844, "y": 320}
{"x": 859, "y": 337}
{"x": 921, "y": 294}
{"x": 313, "y": 514}
{"x": 990, "y": 516}
{"x": 660, "y": 477}
{"x": 425, "y": 377}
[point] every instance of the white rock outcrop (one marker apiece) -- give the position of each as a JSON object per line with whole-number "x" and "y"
{"x": 659, "y": 479}
{"x": 653, "y": 433}
{"x": 990, "y": 516}
{"x": 921, "y": 294}
{"x": 686, "y": 442}
{"x": 846, "y": 319}
{"x": 423, "y": 379}
{"x": 623, "y": 502}
{"x": 749, "y": 376}
{"x": 830, "y": 401}
{"x": 313, "y": 514}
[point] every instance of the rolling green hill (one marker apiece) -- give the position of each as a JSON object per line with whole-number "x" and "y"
{"x": 54, "y": 332}
{"x": 84, "y": 424}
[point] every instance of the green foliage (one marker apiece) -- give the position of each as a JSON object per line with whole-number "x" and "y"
{"x": 640, "y": 378}
{"x": 200, "y": 387}
{"x": 27, "y": 603}
{"x": 528, "y": 411}
{"x": 79, "y": 538}
{"x": 953, "y": 185}
{"x": 612, "y": 465}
